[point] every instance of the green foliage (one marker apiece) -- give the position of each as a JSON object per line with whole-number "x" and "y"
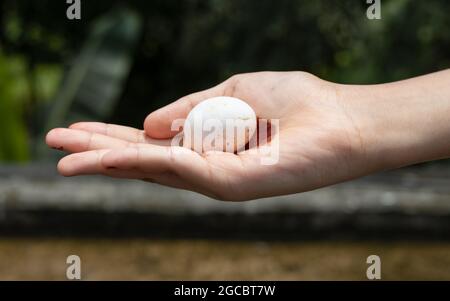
{"x": 13, "y": 93}
{"x": 18, "y": 85}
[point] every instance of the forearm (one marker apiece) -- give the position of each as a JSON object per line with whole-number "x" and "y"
{"x": 404, "y": 122}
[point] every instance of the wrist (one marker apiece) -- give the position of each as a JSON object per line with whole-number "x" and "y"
{"x": 401, "y": 123}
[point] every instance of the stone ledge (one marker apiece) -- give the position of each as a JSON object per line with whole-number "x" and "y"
{"x": 397, "y": 201}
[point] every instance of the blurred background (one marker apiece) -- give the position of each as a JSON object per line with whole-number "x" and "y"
{"x": 124, "y": 59}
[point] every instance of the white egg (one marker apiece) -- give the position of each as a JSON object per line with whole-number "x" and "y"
{"x": 219, "y": 123}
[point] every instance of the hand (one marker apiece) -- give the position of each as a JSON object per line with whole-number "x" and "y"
{"x": 318, "y": 142}
{"x": 327, "y": 133}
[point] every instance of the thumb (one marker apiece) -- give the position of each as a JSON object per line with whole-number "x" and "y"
{"x": 157, "y": 124}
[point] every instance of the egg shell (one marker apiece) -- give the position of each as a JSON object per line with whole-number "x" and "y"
{"x": 205, "y": 127}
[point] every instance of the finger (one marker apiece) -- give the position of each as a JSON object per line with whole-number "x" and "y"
{"x": 118, "y": 131}
{"x": 71, "y": 140}
{"x": 90, "y": 163}
{"x": 158, "y": 159}
{"x": 172, "y": 166}
{"x": 215, "y": 174}
{"x": 151, "y": 158}
{"x": 84, "y": 163}
{"x": 158, "y": 123}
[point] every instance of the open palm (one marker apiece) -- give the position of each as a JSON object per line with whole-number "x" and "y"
{"x": 319, "y": 142}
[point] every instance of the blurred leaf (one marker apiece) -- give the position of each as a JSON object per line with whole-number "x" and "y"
{"x": 47, "y": 78}
{"x": 13, "y": 93}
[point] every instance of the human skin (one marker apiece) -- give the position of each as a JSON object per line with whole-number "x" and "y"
{"x": 328, "y": 133}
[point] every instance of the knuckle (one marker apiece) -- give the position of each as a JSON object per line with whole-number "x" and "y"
{"x": 171, "y": 155}
{"x": 140, "y": 136}
{"x": 90, "y": 141}
{"x": 306, "y": 75}
{"x": 234, "y": 84}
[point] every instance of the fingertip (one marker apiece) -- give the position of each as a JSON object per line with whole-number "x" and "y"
{"x": 64, "y": 169}
{"x": 158, "y": 123}
{"x": 51, "y": 139}
{"x": 149, "y": 125}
